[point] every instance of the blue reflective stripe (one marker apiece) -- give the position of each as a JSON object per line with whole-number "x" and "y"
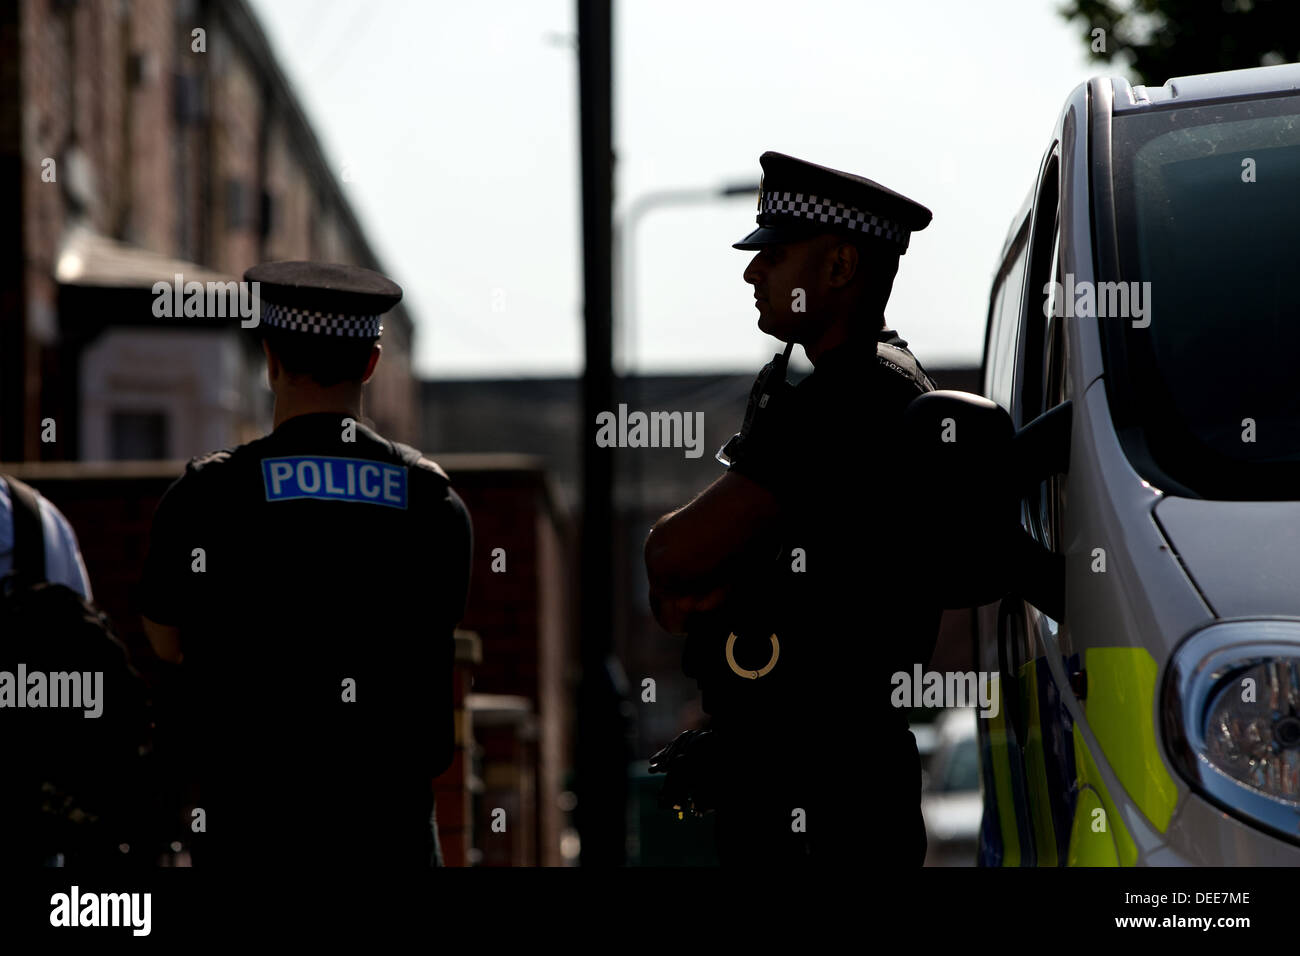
{"x": 334, "y": 479}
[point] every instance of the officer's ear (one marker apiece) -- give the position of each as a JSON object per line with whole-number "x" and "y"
{"x": 373, "y": 361}
{"x": 273, "y": 365}
{"x": 844, "y": 264}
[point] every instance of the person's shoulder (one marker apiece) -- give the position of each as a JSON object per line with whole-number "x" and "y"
{"x": 211, "y": 468}
{"x": 50, "y": 511}
{"x": 222, "y": 462}
{"x": 201, "y": 473}
{"x": 211, "y": 462}
{"x": 54, "y": 520}
{"x": 428, "y": 465}
{"x": 434, "y": 479}
{"x": 414, "y": 458}
{"x": 901, "y": 372}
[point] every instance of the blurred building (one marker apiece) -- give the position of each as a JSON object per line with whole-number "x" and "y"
{"x": 139, "y": 141}
{"x": 520, "y": 712}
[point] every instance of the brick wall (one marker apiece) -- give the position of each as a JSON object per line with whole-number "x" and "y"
{"x": 150, "y": 218}
{"x": 235, "y": 213}
{"x": 178, "y": 147}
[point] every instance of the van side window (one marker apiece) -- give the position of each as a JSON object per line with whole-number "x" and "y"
{"x": 1028, "y": 394}
{"x": 1040, "y": 347}
{"x": 1054, "y": 360}
{"x": 993, "y": 363}
{"x": 1005, "y": 315}
{"x": 1045, "y": 505}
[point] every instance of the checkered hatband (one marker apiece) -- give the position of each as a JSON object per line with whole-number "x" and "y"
{"x": 808, "y": 206}
{"x": 324, "y": 323}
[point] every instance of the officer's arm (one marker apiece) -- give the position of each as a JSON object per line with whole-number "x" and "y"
{"x": 693, "y": 554}
{"x": 164, "y": 639}
{"x": 164, "y": 586}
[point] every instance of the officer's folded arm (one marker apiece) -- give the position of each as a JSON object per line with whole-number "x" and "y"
{"x": 164, "y": 639}
{"x": 693, "y": 554}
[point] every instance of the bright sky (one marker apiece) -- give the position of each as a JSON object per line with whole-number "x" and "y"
{"x": 458, "y": 125}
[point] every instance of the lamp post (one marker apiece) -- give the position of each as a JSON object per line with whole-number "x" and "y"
{"x": 600, "y": 770}
{"x": 624, "y": 249}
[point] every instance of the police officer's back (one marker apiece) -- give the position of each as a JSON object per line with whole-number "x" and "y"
{"x": 796, "y": 575}
{"x": 309, "y": 582}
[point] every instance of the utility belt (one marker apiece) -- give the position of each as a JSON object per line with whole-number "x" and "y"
{"x": 747, "y": 673}
{"x": 751, "y": 666}
{"x": 793, "y": 710}
{"x": 750, "y": 657}
{"x": 733, "y": 765}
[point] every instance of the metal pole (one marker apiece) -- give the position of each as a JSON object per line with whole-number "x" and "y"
{"x": 602, "y": 755}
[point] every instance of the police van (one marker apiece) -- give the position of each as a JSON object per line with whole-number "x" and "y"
{"x": 1141, "y": 605}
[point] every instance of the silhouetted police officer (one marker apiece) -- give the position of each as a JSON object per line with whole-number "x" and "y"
{"x": 309, "y": 583}
{"x": 796, "y": 575}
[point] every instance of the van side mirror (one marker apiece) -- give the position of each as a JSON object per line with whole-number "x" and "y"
{"x": 972, "y": 469}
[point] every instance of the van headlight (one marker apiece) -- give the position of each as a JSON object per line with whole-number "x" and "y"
{"x": 1232, "y": 720}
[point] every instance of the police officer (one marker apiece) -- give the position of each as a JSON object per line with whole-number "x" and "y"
{"x": 795, "y": 575}
{"x": 308, "y": 583}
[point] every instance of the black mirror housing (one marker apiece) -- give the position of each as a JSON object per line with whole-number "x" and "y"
{"x": 971, "y": 469}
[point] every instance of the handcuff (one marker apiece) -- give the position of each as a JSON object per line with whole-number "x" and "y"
{"x": 751, "y": 674}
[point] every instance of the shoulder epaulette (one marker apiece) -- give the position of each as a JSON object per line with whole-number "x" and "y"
{"x": 415, "y": 459}
{"x": 903, "y": 364}
{"x": 198, "y": 462}
{"x": 428, "y": 464}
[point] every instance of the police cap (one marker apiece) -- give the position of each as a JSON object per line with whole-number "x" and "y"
{"x": 798, "y": 199}
{"x": 325, "y": 298}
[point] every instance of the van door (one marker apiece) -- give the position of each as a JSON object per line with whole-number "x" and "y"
{"x": 1004, "y": 834}
{"x": 1044, "y": 726}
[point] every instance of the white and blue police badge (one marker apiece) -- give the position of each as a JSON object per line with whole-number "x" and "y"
{"x": 334, "y": 479}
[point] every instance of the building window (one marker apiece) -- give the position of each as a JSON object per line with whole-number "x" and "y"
{"x": 239, "y": 202}
{"x": 269, "y": 213}
{"x": 138, "y": 436}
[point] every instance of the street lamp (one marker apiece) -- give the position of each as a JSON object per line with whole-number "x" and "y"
{"x": 625, "y": 260}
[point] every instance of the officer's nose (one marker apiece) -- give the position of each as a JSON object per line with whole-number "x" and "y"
{"x": 754, "y": 271}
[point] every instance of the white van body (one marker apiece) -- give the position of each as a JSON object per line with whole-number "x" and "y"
{"x": 1119, "y": 744}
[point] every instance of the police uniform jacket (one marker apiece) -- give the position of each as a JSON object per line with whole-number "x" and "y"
{"x": 316, "y": 583}
{"x": 842, "y": 585}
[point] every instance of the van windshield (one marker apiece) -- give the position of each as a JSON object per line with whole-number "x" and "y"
{"x": 1207, "y": 214}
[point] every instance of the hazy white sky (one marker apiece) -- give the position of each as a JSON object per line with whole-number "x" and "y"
{"x": 457, "y": 123}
